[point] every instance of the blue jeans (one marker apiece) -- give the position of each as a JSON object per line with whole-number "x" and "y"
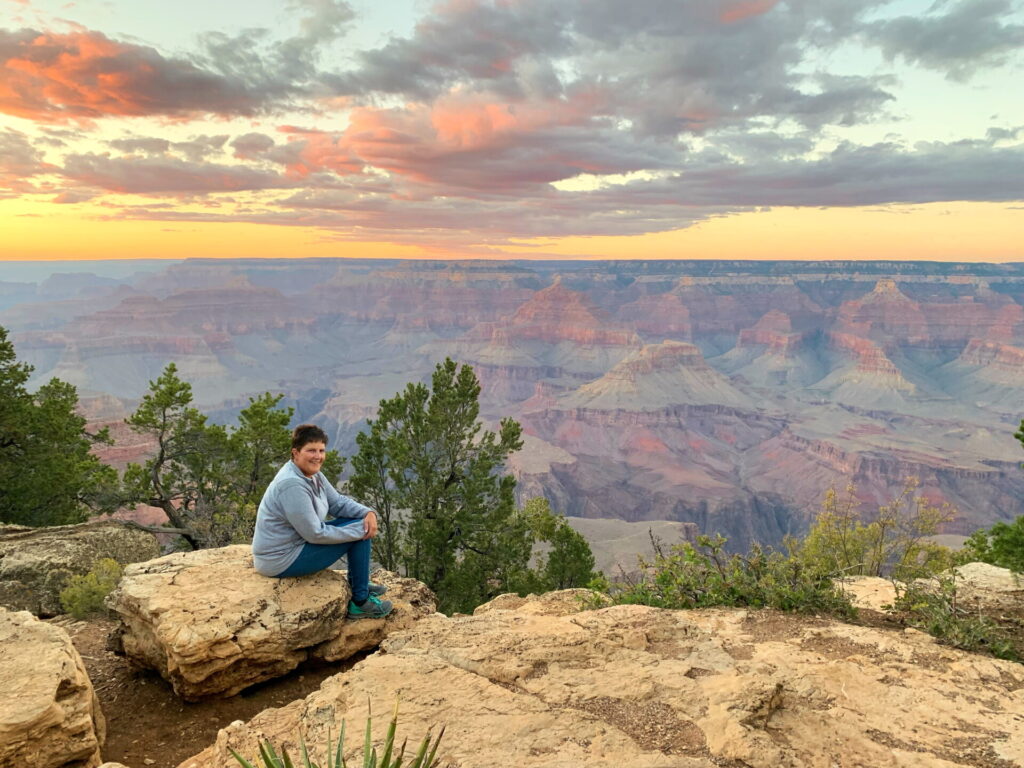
{"x": 317, "y": 557}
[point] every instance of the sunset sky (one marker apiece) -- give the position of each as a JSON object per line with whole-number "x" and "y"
{"x": 805, "y": 129}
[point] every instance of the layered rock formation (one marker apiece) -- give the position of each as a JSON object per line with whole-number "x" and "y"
{"x": 988, "y": 374}
{"x": 536, "y": 683}
{"x": 36, "y": 563}
{"x": 899, "y": 369}
{"x": 50, "y": 716}
{"x": 558, "y": 334}
{"x": 211, "y": 626}
{"x": 659, "y": 376}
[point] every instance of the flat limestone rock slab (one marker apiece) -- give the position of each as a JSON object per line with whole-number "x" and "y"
{"x": 50, "y": 716}
{"x": 212, "y": 626}
{"x": 527, "y": 684}
{"x": 991, "y": 587}
{"x": 869, "y": 591}
{"x": 36, "y": 563}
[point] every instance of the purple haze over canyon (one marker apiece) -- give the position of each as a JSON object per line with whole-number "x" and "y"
{"x": 727, "y": 394}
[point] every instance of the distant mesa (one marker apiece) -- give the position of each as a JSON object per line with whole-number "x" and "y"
{"x": 560, "y": 314}
{"x": 557, "y": 334}
{"x": 775, "y": 331}
{"x": 884, "y": 312}
{"x": 993, "y": 353}
{"x": 774, "y": 320}
{"x": 63, "y": 285}
{"x": 988, "y": 374}
{"x": 871, "y": 360}
{"x": 869, "y": 380}
{"x": 659, "y": 376}
{"x": 663, "y": 315}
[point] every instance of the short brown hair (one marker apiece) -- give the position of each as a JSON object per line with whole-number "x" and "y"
{"x": 304, "y": 434}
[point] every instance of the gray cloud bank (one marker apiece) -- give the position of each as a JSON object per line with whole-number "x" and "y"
{"x": 459, "y": 130}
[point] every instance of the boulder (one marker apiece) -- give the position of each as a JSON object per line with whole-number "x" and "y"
{"x": 212, "y": 626}
{"x": 869, "y": 592}
{"x": 528, "y": 684}
{"x": 990, "y": 588}
{"x": 980, "y": 586}
{"x": 36, "y": 563}
{"x": 50, "y": 716}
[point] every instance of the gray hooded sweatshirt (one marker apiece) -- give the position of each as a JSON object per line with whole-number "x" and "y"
{"x": 292, "y": 513}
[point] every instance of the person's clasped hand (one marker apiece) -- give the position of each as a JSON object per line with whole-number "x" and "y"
{"x": 370, "y": 524}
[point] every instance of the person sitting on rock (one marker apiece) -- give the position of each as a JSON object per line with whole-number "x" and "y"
{"x": 304, "y": 525}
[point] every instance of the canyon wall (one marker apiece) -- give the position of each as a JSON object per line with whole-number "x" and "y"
{"x": 730, "y": 395}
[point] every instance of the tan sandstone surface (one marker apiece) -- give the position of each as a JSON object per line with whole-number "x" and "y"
{"x": 979, "y": 586}
{"x": 212, "y": 626}
{"x": 990, "y": 586}
{"x": 536, "y": 683}
{"x": 49, "y": 714}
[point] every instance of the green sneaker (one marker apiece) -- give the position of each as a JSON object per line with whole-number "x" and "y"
{"x": 377, "y": 589}
{"x": 373, "y": 608}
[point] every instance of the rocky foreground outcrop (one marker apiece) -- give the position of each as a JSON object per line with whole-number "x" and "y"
{"x": 212, "y": 626}
{"x": 981, "y": 587}
{"x": 36, "y": 563}
{"x": 537, "y": 683}
{"x": 50, "y": 716}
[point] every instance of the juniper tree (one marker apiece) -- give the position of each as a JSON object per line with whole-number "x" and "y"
{"x": 568, "y": 562}
{"x": 48, "y": 476}
{"x": 435, "y": 476}
{"x": 206, "y": 478}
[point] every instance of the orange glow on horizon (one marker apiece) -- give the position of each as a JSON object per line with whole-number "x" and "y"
{"x": 970, "y": 232}
{"x": 936, "y": 232}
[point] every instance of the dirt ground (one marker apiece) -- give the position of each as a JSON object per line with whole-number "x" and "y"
{"x": 147, "y": 725}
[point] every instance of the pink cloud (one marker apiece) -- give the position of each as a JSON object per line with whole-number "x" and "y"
{"x": 744, "y": 9}
{"x": 475, "y": 142}
{"x": 81, "y": 75}
{"x": 72, "y": 196}
{"x": 316, "y": 151}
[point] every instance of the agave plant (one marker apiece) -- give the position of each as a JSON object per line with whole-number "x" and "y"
{"x": 426, "y": 755}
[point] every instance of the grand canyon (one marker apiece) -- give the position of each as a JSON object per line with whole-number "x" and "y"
{"x": 728, "y": 396}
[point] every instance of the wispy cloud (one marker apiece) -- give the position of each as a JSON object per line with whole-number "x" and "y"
{"x": 969, "y": 35}
{"x": 20, "y": 160}
{"x": 163, "y": 176}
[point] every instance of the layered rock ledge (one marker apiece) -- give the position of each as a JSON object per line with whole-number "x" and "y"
{"x": 36, "y": 563}
{"x": 212, "y": 626}
{"x": 50, "y": 716}
{"x": 535, "y": 683}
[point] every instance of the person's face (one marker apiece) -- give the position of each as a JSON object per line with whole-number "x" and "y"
{"x": 309, "y": 458}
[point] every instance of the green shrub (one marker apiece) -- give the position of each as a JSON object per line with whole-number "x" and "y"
{"x": 84, "y": 595}
{"x": 702, "y": 575}
{"x": 891, "y": 542}
{"x": 1002, "y": 545}
{"x": 932, "y": 607}
{"x": 425, "y": 757}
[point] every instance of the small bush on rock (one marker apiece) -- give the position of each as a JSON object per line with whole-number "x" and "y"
{"x": 702, "y": 575}
{"x": 84, "y": 595}
{"x": 933, "y": 607}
